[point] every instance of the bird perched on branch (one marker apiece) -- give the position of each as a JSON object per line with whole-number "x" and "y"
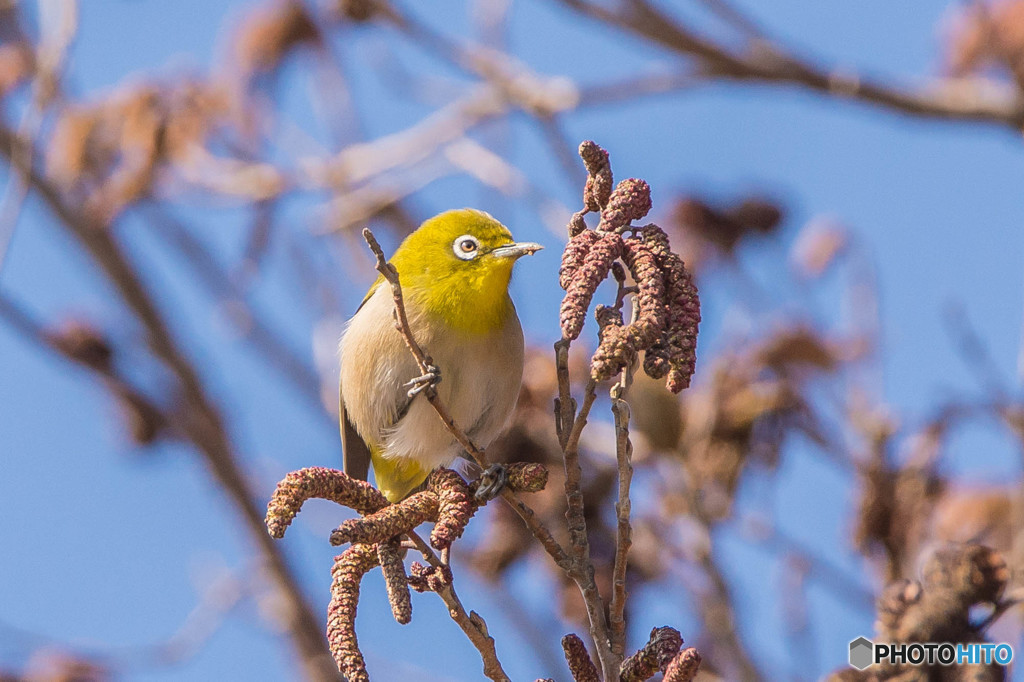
{"x": 454, "y": 272}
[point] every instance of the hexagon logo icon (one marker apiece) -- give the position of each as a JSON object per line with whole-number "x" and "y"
{"x": 861, "y": 653}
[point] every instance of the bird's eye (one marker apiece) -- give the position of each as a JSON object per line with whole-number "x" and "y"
{"x": 466, "y": 247}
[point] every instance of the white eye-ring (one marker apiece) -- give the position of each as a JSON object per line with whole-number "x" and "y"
{"x": 466, "y": 247}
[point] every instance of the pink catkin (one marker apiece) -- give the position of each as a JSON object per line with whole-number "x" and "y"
{"x": 527, "y": 477}
{"x": 683, "y": 325}
{"x": 577, "y": 224}
{"x": 455, "y": 508}
{"x": 573, "y": 256}
{"x": 388, "y": 522}
{"x": 599, "y": 176}
{"x": 684, "y": 666}
{"x": 389, "y": 555}
{"x": 615, "y": 350}
{"x": 662, "y": 646}
{"x": 652, "y": 313}
{"x": 656, "y": 360}
{"x": 680, "y": 338}
{"x": 321, "y": 483}
{"x": 349, "y": 568}
{"x": 587, "y": 279}
{"x": 580, "y": 664}
{"x": 630, "y": 201}
{"x": 429, "y": 578}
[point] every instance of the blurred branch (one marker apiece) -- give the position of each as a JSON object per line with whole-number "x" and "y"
{"x": 734, "y": 17}
{"x": 715, "y": 606}
{"x": 58, "y": 32}
{"x": 200, "y": 420}
{"x": 770, "y": 63}
{"x": 91, "y": 351}
{"x": 252, "y": 326}
{"x": 843, "y": 585}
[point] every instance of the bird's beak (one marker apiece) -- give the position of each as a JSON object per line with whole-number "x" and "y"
{"x": 516, "y": 250}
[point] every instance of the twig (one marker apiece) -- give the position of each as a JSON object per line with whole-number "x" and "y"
{"x": 57, "y": 35}
{"x": 842, "y": 585}
{"x": 361, "y": 162}
{"x": 623, "y": 507}
{"x": 735, "y": 18}
{"x": 118, "y": 385}
{"x": 717, "y": 610}
{"x": 258, "y": 332}
{"x": 582, "y": 569}
{"x": 471, "y": 623}
{"x": 565, "y": 404}
{"x": 1008, "y": 601}
{"x": 771, "y": 64}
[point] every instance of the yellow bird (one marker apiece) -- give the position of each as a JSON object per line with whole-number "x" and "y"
{"x": 454, "y": 271}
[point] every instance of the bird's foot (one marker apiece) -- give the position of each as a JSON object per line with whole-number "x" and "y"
{"x": 492, "y": 481}
{"x": 429, "y": 379}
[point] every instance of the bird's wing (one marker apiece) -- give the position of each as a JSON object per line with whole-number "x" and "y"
{"x": 355, "y": 453}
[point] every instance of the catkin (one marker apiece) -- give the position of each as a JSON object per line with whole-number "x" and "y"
{"x": 651, "y": 311}
{"x": 630, "y": 201}
{"x": 575, "y": 253}
{"x": 349, "y": 568}
{"x": 588, "y": 277}
{"x": 599, "y": 176}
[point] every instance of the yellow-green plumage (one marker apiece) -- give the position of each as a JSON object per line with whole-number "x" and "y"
{"x": 457, "y": 301}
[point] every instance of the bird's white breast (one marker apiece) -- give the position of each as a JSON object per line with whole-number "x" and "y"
{"x": 480, "y": 379}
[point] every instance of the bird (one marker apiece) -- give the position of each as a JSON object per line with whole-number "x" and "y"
{"x": 454, "y": 271}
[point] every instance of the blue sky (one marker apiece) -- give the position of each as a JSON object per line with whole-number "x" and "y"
{"x": 109, "y": 542}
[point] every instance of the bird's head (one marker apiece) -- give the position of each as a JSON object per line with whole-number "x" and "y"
{"x": 458, "y": 265}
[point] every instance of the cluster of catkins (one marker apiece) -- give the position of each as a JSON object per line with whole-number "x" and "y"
{"x": 448, "y": 501}
{"x": 941, "y": 607}
{"x": 668, "y": 308}
{"x": 662, "y": 653}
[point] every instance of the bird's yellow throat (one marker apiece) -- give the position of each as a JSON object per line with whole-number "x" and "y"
{"x": 474, "y": 302}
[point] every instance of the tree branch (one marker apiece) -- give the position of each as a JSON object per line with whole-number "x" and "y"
{"x": 623, "y": 509}
{"x": 200, "y": 420}
{"x": 772, "y": 64}
{"x": 471, "y": 623}
{"x": 570, "y": 429}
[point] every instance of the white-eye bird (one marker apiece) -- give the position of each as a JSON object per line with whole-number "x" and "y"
{"x": 454, "y": 271}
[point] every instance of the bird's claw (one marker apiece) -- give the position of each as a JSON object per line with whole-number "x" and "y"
{"x": 492, "y": 481}
{"x": 428, "y": 379}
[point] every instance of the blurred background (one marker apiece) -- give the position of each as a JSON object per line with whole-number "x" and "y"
{"x": 183, "y": 188}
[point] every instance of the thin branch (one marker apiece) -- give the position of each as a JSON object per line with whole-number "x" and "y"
{"x": 51, "y": 55}
{"x": 635, "y": 87}
{"x": 582, "y": 572}
{"x": 257, "y": 332}
{"x": 471, "y": 623}
{"x": 1009, "y": 600}
{"x": 952, "y": 100}
{"x": 717, "y": 609}
{"x": 735, "y": 18}
{"x": 119, "y": 386}
{"x": 623, "y": 506}
{"x": 832, "y": 577}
